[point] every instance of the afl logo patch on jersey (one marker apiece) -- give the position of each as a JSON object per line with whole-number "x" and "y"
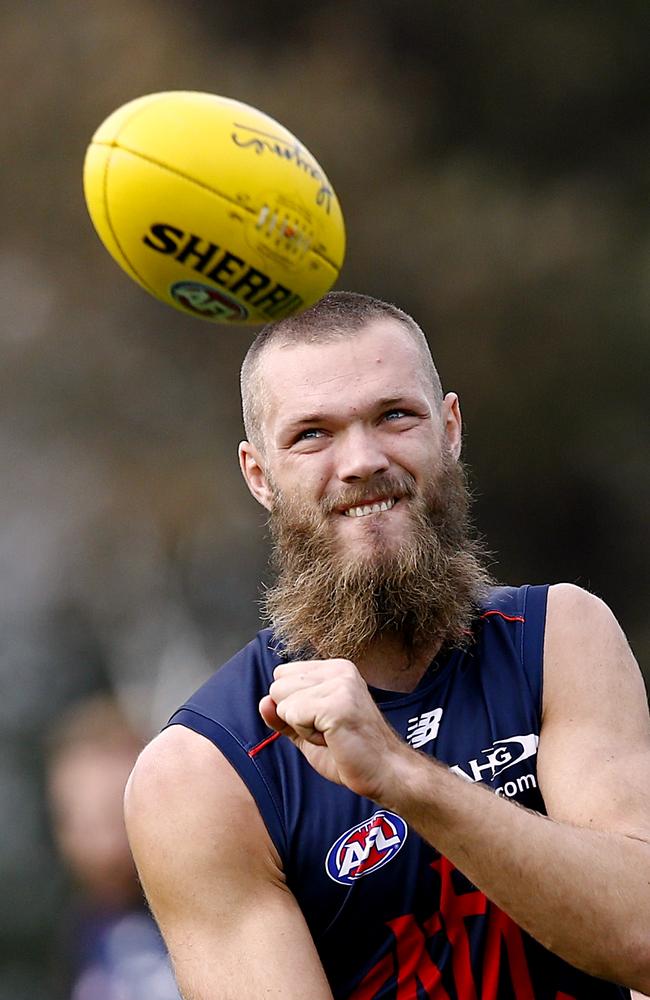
{"x": 366, "y": 847}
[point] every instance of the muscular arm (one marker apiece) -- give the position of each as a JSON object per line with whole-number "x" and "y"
{"x": 213, "y": 878}
{"x": 577, "y": 880}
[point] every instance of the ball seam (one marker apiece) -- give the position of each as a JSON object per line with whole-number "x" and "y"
{"x": 206, "y": 187}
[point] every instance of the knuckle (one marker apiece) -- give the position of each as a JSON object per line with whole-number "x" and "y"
{"x": 295, "y": 720}
{"x": 345, "y": 666}
{"x": 277, "y": 691}
{"x": 284, "y": 713}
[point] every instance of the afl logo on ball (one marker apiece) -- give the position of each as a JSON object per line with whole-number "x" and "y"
{"x": 366, "y": 847}
{"x": 207, "y": 301}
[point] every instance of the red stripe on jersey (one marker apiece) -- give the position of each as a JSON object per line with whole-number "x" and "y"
{"x": 260, "y": 746}
{"x": 508, "y": 618}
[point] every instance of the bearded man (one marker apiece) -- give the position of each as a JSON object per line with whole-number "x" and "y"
{"x": 414, "y": 783}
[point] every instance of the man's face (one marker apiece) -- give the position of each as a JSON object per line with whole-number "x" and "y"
{"x": 86, "y": 791}
{"x": 368, "y": 502}
{"x": 352, "y": 431}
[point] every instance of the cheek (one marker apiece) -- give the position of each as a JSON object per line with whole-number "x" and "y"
{"x": 312, "y": 488}
{"x": 419, "y": 460}
{"x": 305, "y": 480}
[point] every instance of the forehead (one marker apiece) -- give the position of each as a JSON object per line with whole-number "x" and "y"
{"x": 381, "y": 360}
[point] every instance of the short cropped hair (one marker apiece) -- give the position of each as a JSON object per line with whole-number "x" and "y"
{"x": 336, "y": 315}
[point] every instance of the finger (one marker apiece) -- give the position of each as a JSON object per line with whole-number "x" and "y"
{"x": 299, "y": 715}
{"x": 284, "y": 687}
{"x": 300, "y": 734}
{"x": 268, "y": 711}
{"x": 298, "y": 667}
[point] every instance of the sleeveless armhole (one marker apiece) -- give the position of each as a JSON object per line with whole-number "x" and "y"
{"x": 245, "y": 766}
{"x": 532, "y": 643}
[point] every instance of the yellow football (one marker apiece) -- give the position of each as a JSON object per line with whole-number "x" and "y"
{"x": 213, "y": 207}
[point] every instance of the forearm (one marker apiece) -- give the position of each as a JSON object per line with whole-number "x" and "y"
{"x": 582, "y": 893}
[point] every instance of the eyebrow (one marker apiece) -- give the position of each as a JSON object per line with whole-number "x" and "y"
{"x": 308, "y": 421}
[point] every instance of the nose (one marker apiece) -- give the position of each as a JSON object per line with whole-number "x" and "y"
{"x": 360, "y": 455}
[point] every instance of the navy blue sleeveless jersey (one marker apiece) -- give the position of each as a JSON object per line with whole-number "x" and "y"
{"x": 391, "y": 918}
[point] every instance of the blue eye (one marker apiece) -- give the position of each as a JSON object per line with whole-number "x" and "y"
{"x": 394, "y": 414}
{"x": 311, "y": 432}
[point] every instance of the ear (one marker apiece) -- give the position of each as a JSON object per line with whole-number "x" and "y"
{"x": 252, "y": 469}
{"x": 452, "y": 423}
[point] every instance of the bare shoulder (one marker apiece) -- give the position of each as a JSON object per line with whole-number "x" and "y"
{"x": 587, "y": 656}
{"x": 213, "y": 877}
{"x": 182, "y": 799}
{"x": 594, "y": 751}
{"x": 177, "y": 764}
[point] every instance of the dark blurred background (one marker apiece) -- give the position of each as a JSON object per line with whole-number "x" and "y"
{"x": 492, "y": 164}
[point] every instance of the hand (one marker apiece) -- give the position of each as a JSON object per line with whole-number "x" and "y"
{"x": 325, "y": 708}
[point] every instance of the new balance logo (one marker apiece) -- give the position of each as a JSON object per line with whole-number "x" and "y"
{"x": 423, "y": 728}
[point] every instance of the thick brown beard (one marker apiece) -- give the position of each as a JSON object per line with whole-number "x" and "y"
{"x": 426, "y": 591}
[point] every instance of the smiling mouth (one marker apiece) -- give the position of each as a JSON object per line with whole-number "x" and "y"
{"x": 377, "y": 507}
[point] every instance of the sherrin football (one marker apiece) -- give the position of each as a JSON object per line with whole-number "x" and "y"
{"x": 213, "y": 207}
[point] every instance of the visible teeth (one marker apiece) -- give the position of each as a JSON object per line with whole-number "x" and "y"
{"x": 374, "y": 508}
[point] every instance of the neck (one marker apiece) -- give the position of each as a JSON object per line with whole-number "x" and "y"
{"x": 387, "y": 664}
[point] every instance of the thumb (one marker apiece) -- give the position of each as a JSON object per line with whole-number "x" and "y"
{"x": 268, "y": 710}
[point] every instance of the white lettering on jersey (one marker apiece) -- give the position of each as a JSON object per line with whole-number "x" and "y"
{"x": 356, "y": 853}
{"x": 500, "y": 756}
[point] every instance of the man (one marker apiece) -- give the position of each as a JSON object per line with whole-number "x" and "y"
{"x": 109, "y": 945}
{"x": 319, "y": 820}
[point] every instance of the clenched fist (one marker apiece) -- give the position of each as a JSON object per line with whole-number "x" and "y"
{"x": 325, "y": 708}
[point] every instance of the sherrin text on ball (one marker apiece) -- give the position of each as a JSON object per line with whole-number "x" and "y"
{"x": 214, "y": 207}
